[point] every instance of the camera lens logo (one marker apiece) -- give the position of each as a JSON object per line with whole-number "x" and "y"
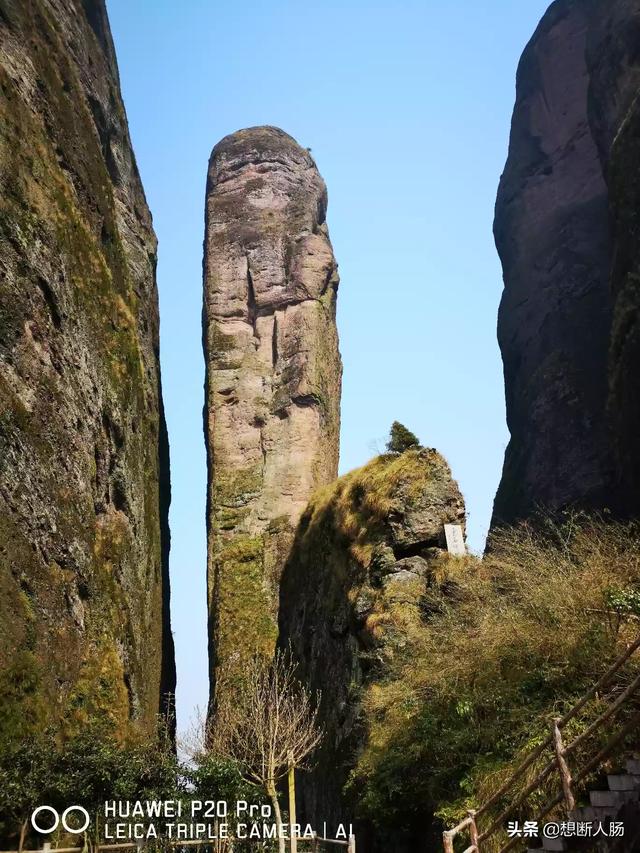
{"x": 57, "y": 818}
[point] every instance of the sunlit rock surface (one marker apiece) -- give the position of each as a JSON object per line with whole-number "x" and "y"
{"x": 273, "y": 375}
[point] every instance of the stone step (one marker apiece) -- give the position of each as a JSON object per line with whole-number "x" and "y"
{"x": 603, "y": 814}
{"x": 554, "y": 844}
{"x": 584, "y": 814}
{"x": 612, "y": 799}
{"x": 589, "y": 814}
{"x": 623, "y": 782}
{"x": 633, "y": 766}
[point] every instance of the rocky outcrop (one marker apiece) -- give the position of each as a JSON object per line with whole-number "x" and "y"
{"x": 273, "y": 375}
{"x": 357, "y": 576}
{"x": 564, "y": 323}
{"x": 84, "y": 480}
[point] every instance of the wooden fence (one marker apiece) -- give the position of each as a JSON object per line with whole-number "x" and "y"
{"x": 316, "y": 844}
{"x": 558, "y": 764}
{"x": 318, "y": 841}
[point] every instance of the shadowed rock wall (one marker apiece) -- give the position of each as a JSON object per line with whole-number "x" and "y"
{"x": 360, "y": 566}
{"x": 614, "y": 59}
{"x": 566, "y": 239}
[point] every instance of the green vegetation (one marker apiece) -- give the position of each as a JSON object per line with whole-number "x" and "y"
{"x": 243, "y": 606}
{"x": 401, "y": 438}
{"x": 272, "y": 730}
{"x": 356, "y": 507}
{"x": 338, "y": 591}
{"x": 495, "y": 648}
{"x": 94, "y": 765}
{"x": 88, "y": 767}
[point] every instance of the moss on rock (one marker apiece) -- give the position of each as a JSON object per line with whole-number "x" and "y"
{"x": 83, "y": 569}
{"x": 364, "y": 551}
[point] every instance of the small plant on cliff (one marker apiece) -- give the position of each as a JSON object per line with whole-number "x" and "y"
{"x": 401, "y": 438}
{"x": 276, "y": 727}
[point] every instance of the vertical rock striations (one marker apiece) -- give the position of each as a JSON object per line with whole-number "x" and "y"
{"x": 84, "y": 486}
{"x": 569, "y": 313}
{"x": 273, "y": 378}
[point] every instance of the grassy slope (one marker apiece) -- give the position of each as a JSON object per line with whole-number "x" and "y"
{"x": 500, "y": 647}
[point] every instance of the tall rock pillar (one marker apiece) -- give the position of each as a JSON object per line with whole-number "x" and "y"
{"x": 273, "y": 374}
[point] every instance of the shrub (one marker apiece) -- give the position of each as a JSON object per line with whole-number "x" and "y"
{"x": 401, "y": 438}
{"x": 501, "y": 646}
{"x": 87, "y": 768}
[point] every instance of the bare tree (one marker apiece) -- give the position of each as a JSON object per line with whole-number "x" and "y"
{"x": 275, "y": 727}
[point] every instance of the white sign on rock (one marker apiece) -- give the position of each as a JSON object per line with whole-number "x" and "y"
{"x": 455, "y": 539}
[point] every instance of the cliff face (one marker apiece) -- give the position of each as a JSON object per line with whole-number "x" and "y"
{"x": 355, "y": 580}
{"x": 272, "y": 381}
{"x": 552, "y": 234}
{"x": 84, "y": 480}
{"x": 563, "y": 326}
{"x": 614, "y": 56}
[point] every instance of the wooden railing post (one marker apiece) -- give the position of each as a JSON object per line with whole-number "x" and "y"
{"x": 473, "y": 830}
{"x": 352, "y": 844}
{"x": 292, "y": 804}
{"x": 565, "y": 775}
{"x": 559, "y": 761}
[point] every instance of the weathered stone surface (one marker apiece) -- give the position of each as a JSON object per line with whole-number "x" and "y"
{"x": 273, "y": 378}
{"x": 551, "y": 231}
{"x": 613, "y": 54}
{"x": 365, "y": 545}
{"x": 614, "y": 60}
{"x": 84, "y": 486}
{"x": 565, "y": 228}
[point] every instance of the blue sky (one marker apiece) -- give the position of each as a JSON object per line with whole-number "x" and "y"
{"x": 406, "y": 106}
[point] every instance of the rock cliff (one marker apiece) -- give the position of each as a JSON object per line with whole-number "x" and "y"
{"x": 273, "y": 374}
{"x": 357, "y": 575}
{"x": 568, "y": 316}
{"x": 551, "y": 230}
{"x": 614, "y": 59}
{"x": 84, "y": 479}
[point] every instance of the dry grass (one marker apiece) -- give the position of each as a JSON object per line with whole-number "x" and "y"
{"x": 495, "y": 650}
{"x": 363, "y": 498}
